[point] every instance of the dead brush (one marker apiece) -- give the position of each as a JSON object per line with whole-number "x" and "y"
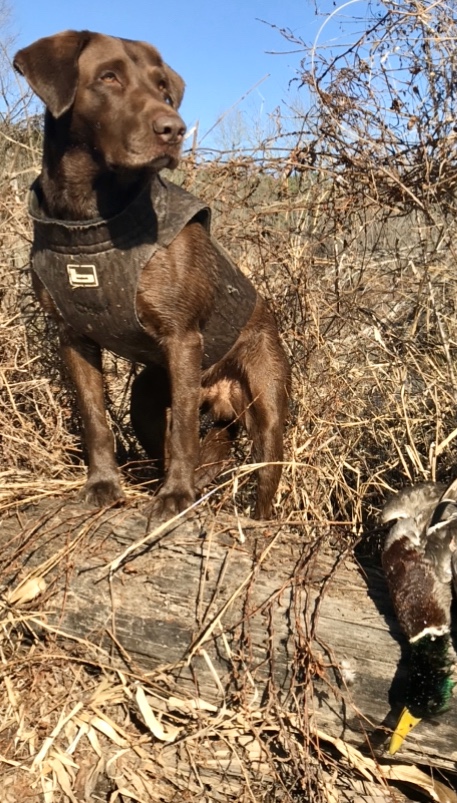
{"x": 359, "y": 266}
{"x": 34, "y": 432}
{"x": 367, "y": 319}
{"x": 371, "y": 340}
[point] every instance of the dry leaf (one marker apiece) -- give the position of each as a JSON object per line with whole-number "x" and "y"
{"x": 366, "y": 766}
{"x": 331, "y": 792}
{"x": 81, "y": 728}
{"x": 64, "y": 779}
{"x": 410, "y": 774}
{"x": 393, "y": 772}
{"x": 50, "y": 739}
{"x": 48, "y": 786}
{"x": 95, "y": 742}
{"x": 26, "y": 591}
{"x": 189, "y": 706}
{"x": 151, "y": 720}
{"x": 106, "y": 726}
{"x": 87, "y": 778}
{"x": 128, "y": 793}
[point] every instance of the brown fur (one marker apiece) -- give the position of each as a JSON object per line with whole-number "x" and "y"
{"x": 111, "y": 121}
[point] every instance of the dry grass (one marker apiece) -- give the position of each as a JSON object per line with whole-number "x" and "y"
{"x": 365, "y": 303}
{"x": 351, "y": 237}
{"x": 365, "y": 300}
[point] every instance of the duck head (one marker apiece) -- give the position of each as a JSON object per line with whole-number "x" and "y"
{"x": 430, "y": 685}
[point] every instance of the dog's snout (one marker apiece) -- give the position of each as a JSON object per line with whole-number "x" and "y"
{"x": 169, "y": 127}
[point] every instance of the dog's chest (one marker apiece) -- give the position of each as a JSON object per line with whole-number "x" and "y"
{"x": 95, "y": 295}
{"x": 92, "y": 272}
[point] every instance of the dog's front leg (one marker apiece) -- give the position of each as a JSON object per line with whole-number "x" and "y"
{"x": 184, "y": 357}
{"x": 83, "y": 359}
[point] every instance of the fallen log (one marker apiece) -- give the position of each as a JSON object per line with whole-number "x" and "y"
{"x": 241, "y": 616}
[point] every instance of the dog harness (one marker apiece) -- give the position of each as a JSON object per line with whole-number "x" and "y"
{"x": 92, "y": 269}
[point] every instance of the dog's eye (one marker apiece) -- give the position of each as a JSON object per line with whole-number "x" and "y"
{"x": 109, "y": 77}
{"x": 164, "y": 89}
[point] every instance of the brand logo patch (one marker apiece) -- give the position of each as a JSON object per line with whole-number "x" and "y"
{"x": 82, "y": 275}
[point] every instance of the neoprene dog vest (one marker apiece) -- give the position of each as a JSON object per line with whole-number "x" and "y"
{"x": 92, "y": 269}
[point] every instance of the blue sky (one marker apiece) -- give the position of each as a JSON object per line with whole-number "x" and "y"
{"x": 220, "y": 48}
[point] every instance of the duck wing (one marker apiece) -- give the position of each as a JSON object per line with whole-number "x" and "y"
{"x": 416, "y": 502}
{"x": 440, "y": 538}
{"x": 454, "y": 571}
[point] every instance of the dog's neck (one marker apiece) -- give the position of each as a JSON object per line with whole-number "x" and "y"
{"x": 77, "y": 184}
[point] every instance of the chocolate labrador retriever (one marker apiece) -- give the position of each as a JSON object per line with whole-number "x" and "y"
{"x": 124, "y": 260}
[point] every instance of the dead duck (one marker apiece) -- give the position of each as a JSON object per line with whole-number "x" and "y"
{"x": 419, "y": 562}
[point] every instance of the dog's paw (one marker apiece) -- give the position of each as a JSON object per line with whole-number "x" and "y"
{"x": 168, "y": 504}
{"x": 102, "y": 493}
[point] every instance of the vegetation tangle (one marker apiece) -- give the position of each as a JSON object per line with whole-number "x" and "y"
{"x": 343, "y": 211}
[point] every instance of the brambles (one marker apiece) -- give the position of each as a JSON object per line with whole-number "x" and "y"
{"x": 348, "y": 228}
{"x": 348, "y": 231}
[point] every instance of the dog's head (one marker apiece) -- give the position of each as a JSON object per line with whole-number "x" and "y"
{"x": 118, "y": 97}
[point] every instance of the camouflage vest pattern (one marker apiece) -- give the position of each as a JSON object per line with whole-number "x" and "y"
{"x": 92, "y": 269}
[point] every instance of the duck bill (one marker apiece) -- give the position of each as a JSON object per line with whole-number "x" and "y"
{"x": 405, "y": 724}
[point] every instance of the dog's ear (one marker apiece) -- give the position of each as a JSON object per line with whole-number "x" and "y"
{"x": 50, "y": 66}
{"x": 176, "y": 85}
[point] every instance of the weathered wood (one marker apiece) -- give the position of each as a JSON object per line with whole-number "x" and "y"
{"x": 274, "y": 615}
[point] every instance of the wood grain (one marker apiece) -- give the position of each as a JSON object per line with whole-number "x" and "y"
{"x": 272, "y": 617}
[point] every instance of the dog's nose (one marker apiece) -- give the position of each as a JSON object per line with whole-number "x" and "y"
{"x": 169, "y": 127}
